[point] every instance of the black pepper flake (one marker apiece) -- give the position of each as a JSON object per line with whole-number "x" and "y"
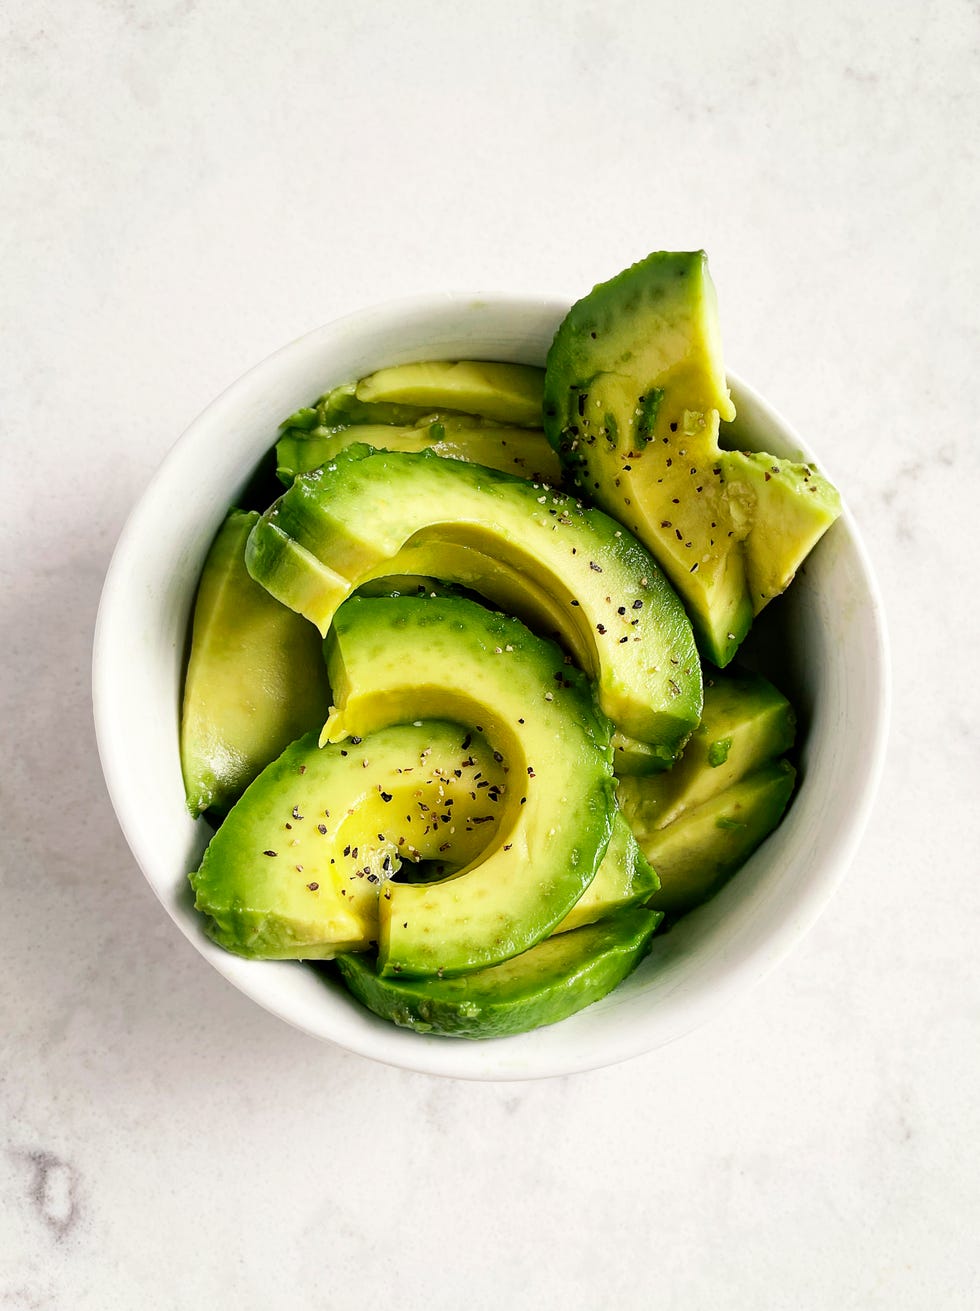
{"x": 445, "y": 846}
{"x": 466, "y": 742}
{"x": 268, "y": 853}
{"x": 530, "y": 771}
{"x": 621, "y": 610}
{"x": 600, "y": 628}
{"x": 768, "y": 477}
{"x": 296, "y": 814}
{"x": 302, "y": 769}
{"x": 288, "y": 825}
{"x": 637, "y": 604}
{"x": 385, "y": 796}
{"x": 498, "y": 757}
{"x": 321, "y": 828}
{"x": 694, "y": 567}
{"x": 299, "y": 869}
{"x": 356, "y": 741}
{"x": 596, "y": 568}
{"x": 573, "y": 602}
{"x": 313, "y": 886}
{"x": 673, "y": 427}
{"x": 343, "y": 753}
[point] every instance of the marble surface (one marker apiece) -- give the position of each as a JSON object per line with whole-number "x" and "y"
{"x": 185, "y": 187}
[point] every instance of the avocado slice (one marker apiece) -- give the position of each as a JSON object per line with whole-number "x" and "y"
{"x": 255, "y": 677}
{"x": 509, "y": 393}
{"x": 543, "y": 985}
{"x": 704, "y": 847}
{"x": 746, "y": 721}
{"x": 296, "y": 868}
{"x": 369, "y": 513}
{"x": 524, "y": 452}
{"x": 624, "y": 878}
{"x": 391, "y": 659}
{"x": 634, "y": 392}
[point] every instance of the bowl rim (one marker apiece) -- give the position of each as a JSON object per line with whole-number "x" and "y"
{"x": 448, "y": 1056}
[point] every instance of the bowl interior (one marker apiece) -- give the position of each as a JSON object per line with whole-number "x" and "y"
{"x": 823, "y": 643}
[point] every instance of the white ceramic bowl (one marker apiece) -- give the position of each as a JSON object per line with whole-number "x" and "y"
{"x": 824, "y": 642}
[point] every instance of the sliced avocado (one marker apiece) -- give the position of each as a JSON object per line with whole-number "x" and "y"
{"x": 509, "y": 393}
{"x": 296, "y": 868}
{"x": 624, "y": 878}
{"x": 524, "y": 452}
{"x": 630, "y": 756}
{"x": 369, "y": 513}
{"x": 703, "y": 848}
{"x": 255, "y": 678}
{"x": 745, "y": 722}
{"x": 788, "y": 508}
{"x": 398, "y": 658}
{"x": 634, "y": 392}
{"x": 543, "y": 985}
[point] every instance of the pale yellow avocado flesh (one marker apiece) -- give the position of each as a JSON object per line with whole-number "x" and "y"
{"x": 508, "y": 393}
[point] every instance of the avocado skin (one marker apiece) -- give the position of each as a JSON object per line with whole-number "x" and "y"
{"x": 545, "y": 984}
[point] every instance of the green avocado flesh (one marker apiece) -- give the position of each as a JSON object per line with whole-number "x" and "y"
{"x": 369, "y": 513}
{"x": 746, "y": 722}
{"x": 545, "y": 984}
{"x": 523, "y": 452}
{"x": 255, "y": 679}
{"x": 704, "y": 847}
{"x": 634, "y": 392}
{"x": 296, "y": 868}
{"x": 624, "y": 878}
{"x": 390, "y": 659}
{"x": 509, "y": 393}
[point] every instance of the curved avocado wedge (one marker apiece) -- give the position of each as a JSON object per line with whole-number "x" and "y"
{"x": 295, "y": 870}
{"x": 545, "y": 984}
{"x": 524, "y": 452}
{"x": 634, "y": 392}
{"x": 255, "y": 679}
{"x": 509, "y": 393}
{"x": 368, "y": 513}
{"x": 393, "y": 659}
{"x": 624, "y": 878}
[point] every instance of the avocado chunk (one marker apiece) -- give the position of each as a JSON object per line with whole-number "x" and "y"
{"x": 391, "y": 659}
{"x": 634, "y": 392}
{"x": 509, "y": 393}
{"x": 295, "y": 870}
{"x": 624, "y": 878}
{"x": 630, "y": 756}
{"x": 255, "y": 679}
{"x": 524, "y": 452}
{"x": 704, "y": 847}
{"x": 543, "y": 985}
{"x": 370, "y": 513}
{"x": 788, "y": 508}
{"x": 746, "y": 722}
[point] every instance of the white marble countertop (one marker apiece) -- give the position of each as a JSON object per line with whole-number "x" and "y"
{"x": 185, "y": 187}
